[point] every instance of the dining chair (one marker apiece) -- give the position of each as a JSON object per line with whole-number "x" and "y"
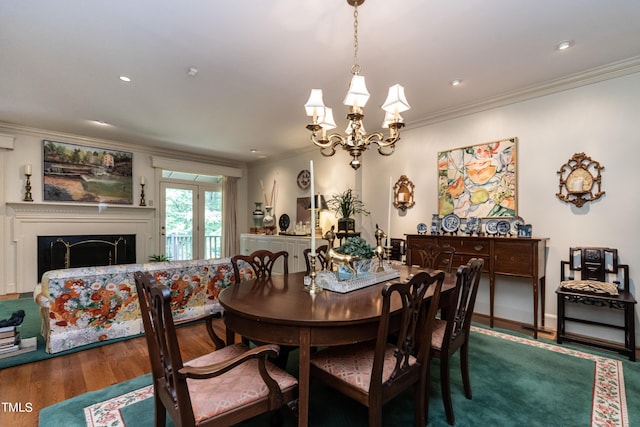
{"x": 375, "y": 372}
{"x": 451, "y": 331}
{"x": 261, "y": 262}
{"x": 321, "y": 257}
{"x": 435, "y": 256}
{"x": 224, "y": 387}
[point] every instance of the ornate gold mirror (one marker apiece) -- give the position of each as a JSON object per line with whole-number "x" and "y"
{"x": 403, "y": 193}
{"x": 578, "y": 177}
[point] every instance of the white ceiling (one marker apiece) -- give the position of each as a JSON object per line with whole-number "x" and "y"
{"x": 258, "y": 59}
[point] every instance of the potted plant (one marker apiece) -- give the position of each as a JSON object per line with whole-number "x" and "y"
{"x": 159, "y": 258}
{"x": 358, "y": 247}
{"x": 345, "y": 205}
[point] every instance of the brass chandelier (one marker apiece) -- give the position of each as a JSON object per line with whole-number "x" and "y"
{"x": 356, "y": 140}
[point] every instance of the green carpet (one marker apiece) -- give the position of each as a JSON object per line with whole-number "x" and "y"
{"x": 514, "y": 384}
{"x": 30, "y": 327}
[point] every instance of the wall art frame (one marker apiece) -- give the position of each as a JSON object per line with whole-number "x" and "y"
{"x": 479, "y": 180}
{"x": 83, "y": 174}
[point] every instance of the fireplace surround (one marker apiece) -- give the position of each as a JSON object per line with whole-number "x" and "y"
{"x": 27, "y": 221}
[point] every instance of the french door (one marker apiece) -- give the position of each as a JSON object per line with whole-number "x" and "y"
{"x": 191, "y": 220}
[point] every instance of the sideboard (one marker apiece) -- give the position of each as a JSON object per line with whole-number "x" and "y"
{"x": 295, "y": 245}
{"x": 507, "y": 256}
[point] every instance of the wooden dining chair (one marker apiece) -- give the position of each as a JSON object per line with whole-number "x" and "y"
{"x": 451, "y": 331}
{"x": 261, "y": 262}
{"x": 224, "y": 387}
{"x": 435, "y": 256}
{"x": 321, "y": 257}
{"x": 375, "y": 372}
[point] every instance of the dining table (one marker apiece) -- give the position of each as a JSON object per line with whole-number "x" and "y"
{"x": 281, "y": 310}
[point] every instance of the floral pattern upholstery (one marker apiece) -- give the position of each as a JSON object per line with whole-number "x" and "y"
{"x": 354, "y": 363}
{"x": 84, "y": 305}
{"x": 232, "y": 389}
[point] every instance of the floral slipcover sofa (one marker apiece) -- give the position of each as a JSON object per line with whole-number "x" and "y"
{"x": 84, "y": 305}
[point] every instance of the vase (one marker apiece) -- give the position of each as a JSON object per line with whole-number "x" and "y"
{"x": 346, "y": 225}
{"x": 269, "y": 221}
{"x": 258, "y": 215}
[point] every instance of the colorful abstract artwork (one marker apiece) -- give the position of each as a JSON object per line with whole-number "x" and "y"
{"x": 479, "y": 180}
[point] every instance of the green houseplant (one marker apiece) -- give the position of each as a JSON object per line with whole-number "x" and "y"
{"x": 159, "y": 258}
{"x": 346, "y": 205}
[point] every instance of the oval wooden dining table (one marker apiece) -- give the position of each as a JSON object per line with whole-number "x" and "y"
{"x": 280, "y": 311}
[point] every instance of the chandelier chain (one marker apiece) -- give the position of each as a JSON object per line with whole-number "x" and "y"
{"x": 355, "y": 69}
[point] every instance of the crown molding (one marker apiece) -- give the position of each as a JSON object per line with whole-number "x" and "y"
{"x": 572, "y": 81}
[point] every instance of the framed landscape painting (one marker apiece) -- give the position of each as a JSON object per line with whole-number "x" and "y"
{"x": 479, "y": 180}
{"x": 76, "y": 173}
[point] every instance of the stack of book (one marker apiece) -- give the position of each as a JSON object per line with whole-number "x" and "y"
{"x": 9, "y": 339}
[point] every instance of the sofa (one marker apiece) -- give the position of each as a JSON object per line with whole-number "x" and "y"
{"x": 80, "y": 306}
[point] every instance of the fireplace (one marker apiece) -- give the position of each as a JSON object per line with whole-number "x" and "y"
{"x": 55, "y": 252}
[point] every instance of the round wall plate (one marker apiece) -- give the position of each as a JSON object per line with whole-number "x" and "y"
{"x": 304, "y": 179}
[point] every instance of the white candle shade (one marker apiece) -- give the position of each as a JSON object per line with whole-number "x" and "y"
{"x": 142, "y": 180}
{"x": 27, "y": 169}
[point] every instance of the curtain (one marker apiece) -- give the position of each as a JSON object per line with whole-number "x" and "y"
{"x": 231, "y": 244}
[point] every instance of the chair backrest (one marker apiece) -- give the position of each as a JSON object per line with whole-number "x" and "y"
{"x": 262, "y": 262}
{"x": 467, "y": 284}
{"x": 164, "y": 352}
{"x": 435, "y": 256}
{"x": 321, "y": 257}
{"x": 417, "y": 319}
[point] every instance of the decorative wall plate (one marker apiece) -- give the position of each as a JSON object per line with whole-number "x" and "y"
{"x": 503, "y": 227}
{"x": 450, "y": 223}
{"x": 284, "y": 222}
{"x": 516, "y": 221}
{"x": 422, "y": 228}
{"x": 491, "y": 226}
{"x": 304, "y": 179}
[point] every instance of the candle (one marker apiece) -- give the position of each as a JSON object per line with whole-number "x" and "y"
{"x": 577, "y": 184}
{"x": 27, "y": 169}
{"x": 388, "y": 230}
{"x": 313, "y": 211}
{"x": 142, "y": 180}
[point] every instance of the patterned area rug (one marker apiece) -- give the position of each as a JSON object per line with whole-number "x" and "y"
{"x": 609, "y": 406}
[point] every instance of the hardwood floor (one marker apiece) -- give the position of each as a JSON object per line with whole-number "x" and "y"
{"x": 40, "y": 384}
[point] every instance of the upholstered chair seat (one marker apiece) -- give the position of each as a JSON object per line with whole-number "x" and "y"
{"x": 232, "y": 390}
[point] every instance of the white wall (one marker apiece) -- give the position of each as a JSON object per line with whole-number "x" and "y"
{"x": 27, "y": 148}
{"x": 600, "y": 120}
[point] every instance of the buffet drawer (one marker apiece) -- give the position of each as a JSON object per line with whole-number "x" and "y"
{"x": 477, "y": 247}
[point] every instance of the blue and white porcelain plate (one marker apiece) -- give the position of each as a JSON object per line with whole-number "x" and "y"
{"x": 450, "y": 223}
{"x": 422, "y": 228}
{"x": 491, "y": 226}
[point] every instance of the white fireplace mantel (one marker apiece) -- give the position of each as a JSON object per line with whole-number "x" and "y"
{"x": 28, "y": 220}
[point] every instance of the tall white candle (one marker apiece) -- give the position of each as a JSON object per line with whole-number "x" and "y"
{"x": 142, "y": 179}
{"x": 313, "y": 210}
{"x": 388, "y": 230}
{"x": 27, "y": 169}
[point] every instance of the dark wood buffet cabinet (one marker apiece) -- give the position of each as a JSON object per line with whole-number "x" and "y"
{"x": 507, "y": 256}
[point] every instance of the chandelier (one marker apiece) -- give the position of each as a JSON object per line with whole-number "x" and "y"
{"x": 356, "y": 140}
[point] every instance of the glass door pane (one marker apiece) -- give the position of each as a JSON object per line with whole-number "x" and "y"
{"x": 212, "y": 224}
{"x": 180, "y": 216}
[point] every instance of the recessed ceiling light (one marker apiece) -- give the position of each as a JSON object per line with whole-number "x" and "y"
{"x": 456, "y": 82}
{"x": 125, "y": 79}
{"x": 253, "y": 150}
{"x": 192, "y": 71}
{"x": 100, "y": 122}
{"x": 564, "y": 45}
